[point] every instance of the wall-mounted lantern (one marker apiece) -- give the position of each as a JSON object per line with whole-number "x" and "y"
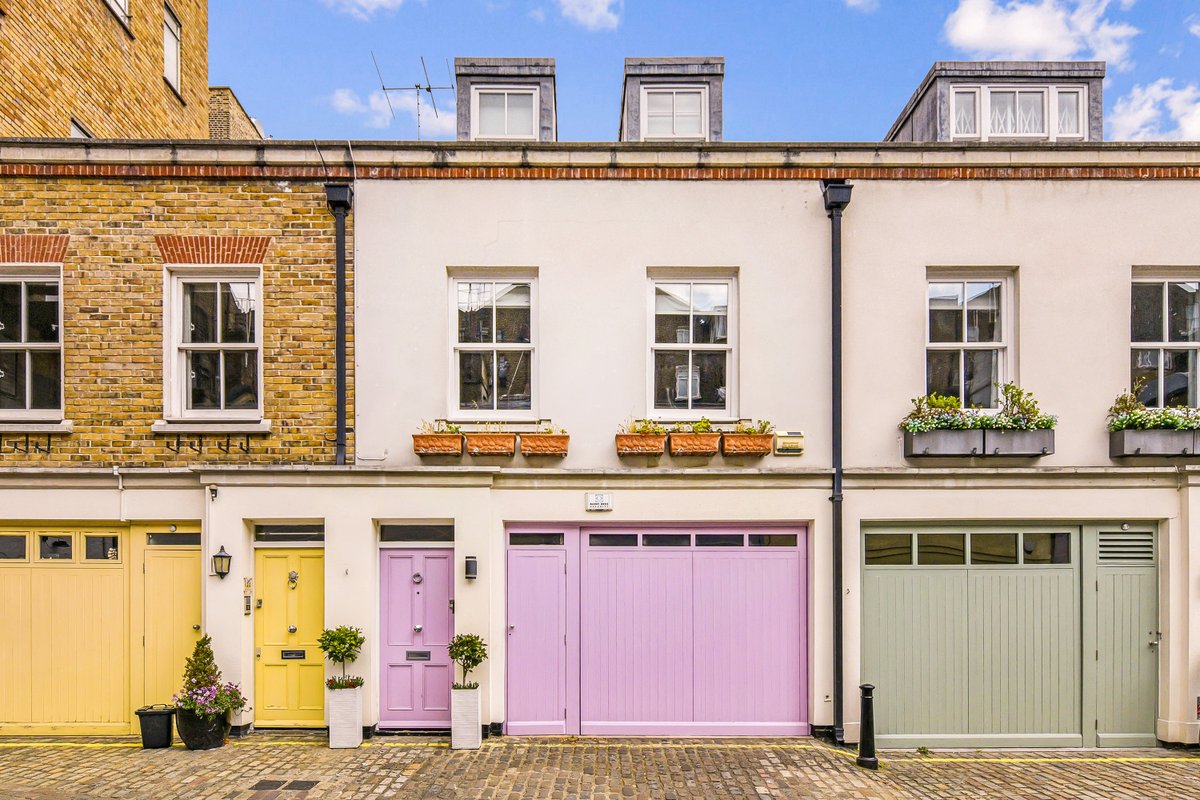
{"x": 472, "y": 568}
{"x": 221, "y": 562}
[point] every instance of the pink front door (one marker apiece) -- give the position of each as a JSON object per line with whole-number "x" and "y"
{"x": 416, "y": 587}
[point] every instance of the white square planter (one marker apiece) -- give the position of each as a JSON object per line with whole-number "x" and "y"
{"x": 466, "y": 731}
{"x": 345, "y": 717}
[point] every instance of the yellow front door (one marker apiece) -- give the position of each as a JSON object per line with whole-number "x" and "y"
{"x": 172, "y": 601}
{"x": 289, "y": 668}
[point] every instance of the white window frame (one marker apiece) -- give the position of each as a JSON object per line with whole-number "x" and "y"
{"x": 455, "y": 412}
{"x": 730, "y": 412}
{"x": 36, "y": 273}
{"x": 176, "y": 379}
{"x": 172, "y": 36}
{"x": 1164, "y": 343}
{"x": 1006, "y": 363}
{"x": 506, "y": 89}
{"x": 673, "y": 88}
{"x": 119, "y": 7}
{"x": 1050, "y": 96}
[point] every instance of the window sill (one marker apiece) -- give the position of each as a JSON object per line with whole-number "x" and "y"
{"x": 174, "y": 90}
{"x": 65, "y": 426}
{"x": 189, "y": 426}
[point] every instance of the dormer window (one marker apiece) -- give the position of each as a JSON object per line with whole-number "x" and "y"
{"x": 505, "y": 112}
{"x": 675, "y": 112}
{"x": 1017, "y": 112}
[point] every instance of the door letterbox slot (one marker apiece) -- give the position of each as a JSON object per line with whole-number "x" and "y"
{"x": 416, "y": 655}
{"x": 292, "y": 655}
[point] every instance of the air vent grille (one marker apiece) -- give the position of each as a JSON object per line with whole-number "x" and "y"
{"x": 1127, "y": 547}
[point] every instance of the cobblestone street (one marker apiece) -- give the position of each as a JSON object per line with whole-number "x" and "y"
{"x": 270, "y": 766}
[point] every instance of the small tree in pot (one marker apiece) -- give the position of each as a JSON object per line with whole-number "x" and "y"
{"x": 468, "y": 650}
{"x": 203, "y": 706}
{"x": 342, "y": 645}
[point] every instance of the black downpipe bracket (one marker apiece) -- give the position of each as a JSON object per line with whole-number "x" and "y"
{"x": 340, "y": 197}
{"x": 836, "y": 194}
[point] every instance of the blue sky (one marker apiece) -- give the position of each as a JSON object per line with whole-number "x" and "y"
{"x": 796, "y": 70}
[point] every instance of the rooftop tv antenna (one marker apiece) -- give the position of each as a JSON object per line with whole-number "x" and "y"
{"x": 416, "y": 88}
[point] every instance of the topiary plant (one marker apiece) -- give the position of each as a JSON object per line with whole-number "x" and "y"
{"x": 342, "y": 645}
{"x": 468, "y": 650}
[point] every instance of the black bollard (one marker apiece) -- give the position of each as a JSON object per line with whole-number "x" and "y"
{"x": 866, "y": 737}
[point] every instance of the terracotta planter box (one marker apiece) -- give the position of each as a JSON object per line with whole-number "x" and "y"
{"x": 641, "y": 444}
{"x": 544, "y": 444}
{"x": 943, "y": 443}
{"x": 695, "y": 444}
{"x": 1152, "y": 443}
{"x": 747, "y": 444}
{"x": 491, "y": 444}
{"x": 438, "y": 444}
{"x": 1018, "y": 443}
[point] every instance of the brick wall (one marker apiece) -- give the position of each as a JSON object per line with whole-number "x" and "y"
{"x": 227, "y": 119}
{"x": 77, "y": 58}
{"x": 112, "y": 236}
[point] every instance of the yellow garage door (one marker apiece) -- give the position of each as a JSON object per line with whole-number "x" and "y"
{"x": 65, "y": 631}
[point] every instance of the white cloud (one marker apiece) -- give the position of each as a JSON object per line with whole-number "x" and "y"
{"x": 1041, "y": 29}
{"x": 595, "y": 15}
{"x": 1193, "y": 25}
{"x": 363, "y": 9}
{"x": 1157, "y": 112}
{"x": 866, "y": 6}
{"x": 374, "y": 113}
{"x": 537, "y": 14}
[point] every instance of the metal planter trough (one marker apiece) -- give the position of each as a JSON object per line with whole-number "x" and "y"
{"x": 943, "y": 443}
{"x": 1122, "y": 444}
{"x": 1018, "y": 443}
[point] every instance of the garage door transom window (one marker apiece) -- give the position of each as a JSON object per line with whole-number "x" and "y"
{"x": 974, "y": 548}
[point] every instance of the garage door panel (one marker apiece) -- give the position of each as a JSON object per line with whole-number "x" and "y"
{"x": 1024, "y": 642}
{"x": 749, "y": 662}
{"x": 636, "y": 637}
{"x": 916, "y": 693}
{"x": 16, "y": 631}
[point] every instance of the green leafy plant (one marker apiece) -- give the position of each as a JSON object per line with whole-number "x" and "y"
{"x": 438, "y": 426}
{"x": 1018, "y": 411}
{"x": 643, "y": 427}
{"x": 203, "y": 693}
{"x": 468, "y": 650}
{"x": 551, "y": 430}
{"x": 936, "y": 412}
{"x": 758, "y": 427}
{"x": 1128, "y": 412}
{"x": 341, "y": 645}
{"x": 702, "y": 425}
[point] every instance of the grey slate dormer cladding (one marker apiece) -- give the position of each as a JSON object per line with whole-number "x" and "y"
{"x": 707, "y": 73}
{"x": 928, "y": 115}
{"x": 472, "y": 74}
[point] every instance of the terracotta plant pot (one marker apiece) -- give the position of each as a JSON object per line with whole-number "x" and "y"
{"x": 641, "y": 444}
{"x": 747, "y": 444}
{"x": 201, "y": 733}
{"x": 491, "y": 444}
{"x": 438, "y": 444}
{"x": 695, "y": 444}
{"x": 544, "y": 444}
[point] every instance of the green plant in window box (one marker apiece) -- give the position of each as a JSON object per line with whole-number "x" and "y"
{"x": 438, "y": 438}
{"x": 1135, "y": 430}
{"x": 641, "y": 437}
{"x": 695, "y": 438}
{"x": 491, "y": 440}
{"x": 938, "y": 425}
{"x": 749, "y": 439}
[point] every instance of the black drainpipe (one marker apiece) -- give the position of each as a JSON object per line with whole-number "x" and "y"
{"x": 340, "y": 197}
{"x": 837, "y": 196}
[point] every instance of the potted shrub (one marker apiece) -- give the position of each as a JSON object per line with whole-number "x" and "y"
{"x": 695, "y": 439}
{"x": 203, "y": 706}
{"x": 1020, "y": 428}
{"x": 939, "y": 426}
{"x": 749, "y": 439}
{"x": 641, "y": 437}
{"x": 545, "y": 441}
{"x": 1135, "y": 430}
{"x": 491, "y": 441}
{"x": 439, "y": 438}
{"x": 468, "y": 650}
{"x": 343, "y": 694}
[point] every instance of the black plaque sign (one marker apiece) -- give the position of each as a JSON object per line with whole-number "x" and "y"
{"x": 416, "y": 655}
{"x": 292, "y": 655}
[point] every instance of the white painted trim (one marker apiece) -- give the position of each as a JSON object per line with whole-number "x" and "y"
{"x": 25, "y": 273}
{"x": 983, "y": 107}
{"x": 63, "y": 426}
{"x": 506, "y": 89}
{"x": 673, "y": 88}
{"x": 1007, "y": 371}
{"x": 192, "y": 426}
{"x": 173, "y": 27}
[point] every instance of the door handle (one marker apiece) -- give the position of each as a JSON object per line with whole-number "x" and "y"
{"x": 1153, "y": 644}
{"x": 418, "y": 628}
{"x": 291, "y": 628}
{"x": 196, "y": 627}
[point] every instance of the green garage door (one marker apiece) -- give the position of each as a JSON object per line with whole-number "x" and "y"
{"x": 975, "y": 637}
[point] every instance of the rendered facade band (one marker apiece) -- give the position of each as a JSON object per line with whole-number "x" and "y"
{"x": 592, "y": 354}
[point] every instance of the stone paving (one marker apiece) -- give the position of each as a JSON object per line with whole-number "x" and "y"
{"x": 298, "y": 766}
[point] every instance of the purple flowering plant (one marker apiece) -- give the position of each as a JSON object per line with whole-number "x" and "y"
{"x": 203, "y": 692}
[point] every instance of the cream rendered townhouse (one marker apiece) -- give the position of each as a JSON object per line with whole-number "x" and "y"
{"x": 505, "y": 284}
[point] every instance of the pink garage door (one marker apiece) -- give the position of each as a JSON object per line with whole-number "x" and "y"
{"x": 677, "y": 631}
{"x": 417, "y": 623}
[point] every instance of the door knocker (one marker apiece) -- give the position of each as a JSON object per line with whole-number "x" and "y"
{"x": 293, "y": 579}
{"x": 417, "y": 577}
